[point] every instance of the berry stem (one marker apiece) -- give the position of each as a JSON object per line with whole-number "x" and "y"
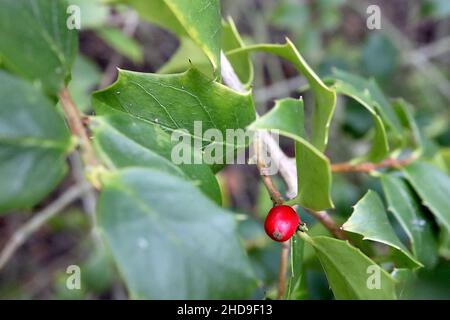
{"x": 283, "y": 268}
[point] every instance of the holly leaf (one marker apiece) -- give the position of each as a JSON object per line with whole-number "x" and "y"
{"x": 350, "y": 273}
{"x": 34, "y": 141}
{"x": 186, "y": 104}
{"x": 325, "y": 98}
{"x": 313, "y": 167}
{"x": 433, "y": 187}
{"x": 166, "y": 249}
{"x": 369, "y": 219}
{"x": 294, "y": 289}
{"x": 404, "y": 207}
{"x": 124, "y": 141}
{"x": 189, "y": 54}
{"x": 200, "y": 20}
{"x": 40, "y": 48}
{"x": 357, "y": 89}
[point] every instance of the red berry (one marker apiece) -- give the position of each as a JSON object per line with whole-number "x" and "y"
{"x": 281, "y": 223}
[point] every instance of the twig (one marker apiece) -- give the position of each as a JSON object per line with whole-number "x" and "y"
{"x": 89, "y": 198}
{"x": 24, "y": 232}
{"x": 275, "y": 195}
{"x": 283, "y": 268}
{"x": 74, "y": 118}
{"x": 324, "y": 218}
{"x": 369, "y": 166}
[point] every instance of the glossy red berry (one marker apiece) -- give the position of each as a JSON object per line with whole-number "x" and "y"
{"x": 281, "y": 223}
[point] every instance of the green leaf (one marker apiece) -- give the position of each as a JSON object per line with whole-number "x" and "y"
{"x": 200, "y": 20}
{"x": 33, "y": 144}
{"x": 325, "y": 98}
{"x": 404, "y": 207}
{"x": 294, "y": 289}
{"x": 123, "y": 44}
{"x": 369, "y": 219}
{"x": 124, "y": 141}
{"x": 169, "y": 241}
{"x": 36, "y": 43}
{"x": 189, "y": 101}
{"x": 241, "y": 62}
{"x": 411, "y": 132}
{"x": 354, "y": 87}
{"x": 85, "y": 76}
{"x": 433, "y": 187}
{"x": 350, "y": 273}
{"x": 189, "y": 54}
{"x": 313, "y": 168}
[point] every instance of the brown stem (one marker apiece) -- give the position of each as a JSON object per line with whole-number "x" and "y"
{"x": 369, "y": 166}
{"x": 282, "y": 270}
{"x": 328, "y": 222}
{"x": 75, "y": 121}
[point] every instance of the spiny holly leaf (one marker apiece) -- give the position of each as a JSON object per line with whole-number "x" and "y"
{"x": 325, "y": 98}
{"x": 188, "y": 102}
{"x": 406, "y": 210}
{"x": 33, "y": 144}
{"x": 411, "y": 132}
{"x": 124, "y": 141}
{"x": 372, "y": 95}
{"x": 182, "y": 249}
{"x": 350, "y": 273}
{"x": 189, "y": 54}
{"x": 355, "y": 88}
{"x": 369, "y": 219}
{"x": 433, "y": 187}
{"x": 200, "y": 20}
{"x": 41, "y": 47}
{"x": 313, "y": 168}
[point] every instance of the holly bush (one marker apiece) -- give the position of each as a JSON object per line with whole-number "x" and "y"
{"x": 167, "y": 229}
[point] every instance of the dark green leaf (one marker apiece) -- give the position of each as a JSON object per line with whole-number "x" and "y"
{"x": 200, "y": 20}
{"x": 350, "y": 273}
{"x": 189, "y": 101}
{"x": 433, "y": 187}
{"x": 369, "y": 219}
{"x": 185, "y": 248}
{"x": 33, "y": 144}
{"x": 354, "y": 87}
{"x": 36, "y": 42}
{"x": 124, "y": 141}
{"x": 404, "y": 207}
